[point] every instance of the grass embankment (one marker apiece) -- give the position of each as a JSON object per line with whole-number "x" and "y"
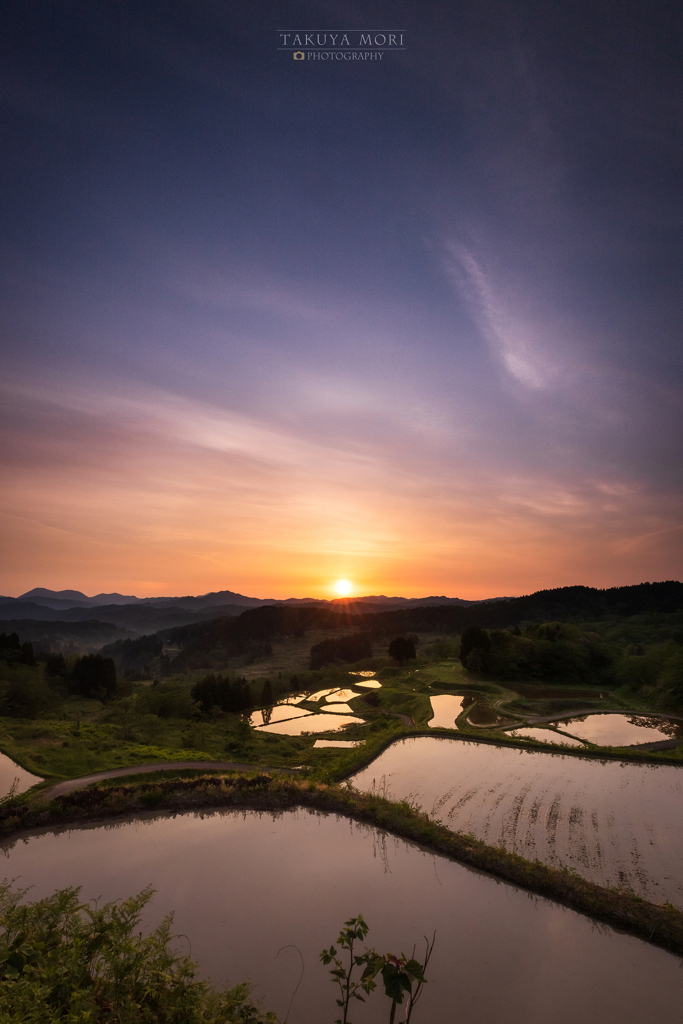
{"x": 660, "y": 925}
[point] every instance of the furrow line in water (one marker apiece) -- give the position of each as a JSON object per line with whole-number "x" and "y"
{"x": 614, "y": 822}
{"x": 511, "y": 819}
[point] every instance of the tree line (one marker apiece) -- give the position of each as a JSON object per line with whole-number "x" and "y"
{"x": 560, "y": 652}
{"x": 231, "y": 696}
{"x": 249, "y": 635}
{"x": 27, "y": 692}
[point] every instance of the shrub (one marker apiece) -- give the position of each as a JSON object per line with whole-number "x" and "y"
{"x": 63, "y": 961}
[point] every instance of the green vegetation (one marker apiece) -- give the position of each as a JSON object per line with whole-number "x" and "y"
{"x": 402, "y": 976}
{"x": 188, "y": 694}
{"x": 402, "y": 649}
{"x": 63, "y": 961}
{"x": 346, "y": 649}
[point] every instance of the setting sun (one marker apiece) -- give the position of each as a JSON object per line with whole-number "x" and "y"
{"x": 343, "y": 588}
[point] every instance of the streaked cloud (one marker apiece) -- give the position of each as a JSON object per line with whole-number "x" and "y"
{"x": 516, "y": 339}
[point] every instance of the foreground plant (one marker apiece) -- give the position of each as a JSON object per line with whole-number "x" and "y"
{"x": 402, "y": 976}
{"x": 63, "y": 962}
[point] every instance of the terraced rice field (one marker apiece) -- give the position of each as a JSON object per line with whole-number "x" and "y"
{"x": 11, "y": 775}
{"x": 545, "y": 735}
{"x": 621, "y": 729}
{"x": 446, "y": 709}
{"x": 255, "y": 894}
{"x": 615, "y": 823}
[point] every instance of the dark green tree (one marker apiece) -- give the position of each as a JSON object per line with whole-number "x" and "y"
{"x": 27, "y": 695}
{"x": 94, "y": 676}
{"x": 27, "y": 655}
{"x": 474, "y": 638}
{"x": 343, "y": 649}
{"x": 402, "y": 648}
{"x": 10, "y": 642}
{"x": 55, "y": 664}
{"x": 267, "y": 694}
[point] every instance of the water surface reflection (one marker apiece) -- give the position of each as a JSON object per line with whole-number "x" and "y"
{"x": 546, "y": 735}
{"x": 11, "y": 772}
{"x": 338, "y": 743}
{"x": 313, "y": 723}
{"x": 615, "y": 823}
{"x": 279, "y": 713}
{"x": 446, "y": 709}
{"x": 243, "y": 885}
{"x": 622, "y": 730}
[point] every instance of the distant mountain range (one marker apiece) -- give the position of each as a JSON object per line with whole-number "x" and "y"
{"x": 83, "y": 626}
{"x": 64, "y": 599}
{"x": 58, "y": 599}
{"x": 149, "y": 614}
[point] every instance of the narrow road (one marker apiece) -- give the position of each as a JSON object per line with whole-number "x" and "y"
{"x": 68, "y": 786}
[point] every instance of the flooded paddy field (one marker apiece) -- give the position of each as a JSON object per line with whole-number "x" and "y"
{"x": 446, "y": 709}
{"x": 621, "y": 730}
{"x": 11, "y": 775}
{"x": 312, "y": 723}
{"x": 245, "y": 885}
{"x": 614, "y": 823}
{"x": 544, "y": 735}
{"x": 328, "y": 710}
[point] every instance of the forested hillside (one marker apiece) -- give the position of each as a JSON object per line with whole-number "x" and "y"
{"x": 225, "y": 637}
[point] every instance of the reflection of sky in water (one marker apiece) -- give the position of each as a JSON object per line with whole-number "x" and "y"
{"x": 446, "y": 709}
{"x": 312, "y": 723}
{"x": 337, "y": 743}
{"x": 322, "y": 693}
{"x": 339, "y": 709}
{"x": 547, "y": 735}
{"x": 615, "y": 823}
{"x": 365, "y": 675}
{"x": 370, "y": 684}
{"x": 259, "y": 882}
{"x": 343, "y": 695}
{"x": 277, "y": 714}
{"x": 615, "y": 730}
{"x": 9, "y": 771}
{"x": 293, "y": 699}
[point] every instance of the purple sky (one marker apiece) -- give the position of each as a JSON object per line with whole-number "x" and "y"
{"x": 414, "y": 323}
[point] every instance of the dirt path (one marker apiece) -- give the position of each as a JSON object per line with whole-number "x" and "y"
{"x": 60, "y": 788}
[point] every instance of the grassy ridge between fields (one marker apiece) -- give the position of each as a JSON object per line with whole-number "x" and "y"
{"x": 659, "y": 925}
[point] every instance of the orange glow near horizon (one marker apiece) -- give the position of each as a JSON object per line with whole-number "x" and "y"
{"x": 185, "y": 505}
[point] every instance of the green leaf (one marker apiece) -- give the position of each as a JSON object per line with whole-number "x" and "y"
{"x": 396, "y": 982}
{"x": 415, "y": 969}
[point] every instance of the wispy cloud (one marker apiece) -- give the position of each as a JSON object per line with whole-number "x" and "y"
{"x": 519, "y": 342}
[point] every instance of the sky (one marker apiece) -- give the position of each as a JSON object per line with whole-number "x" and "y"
{"x": 413, "y": 322}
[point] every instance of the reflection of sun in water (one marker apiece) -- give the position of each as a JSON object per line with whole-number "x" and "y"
{"x": 343, "y": 588}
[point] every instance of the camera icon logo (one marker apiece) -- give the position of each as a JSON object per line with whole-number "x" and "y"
{"x": 299, "y": 55}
